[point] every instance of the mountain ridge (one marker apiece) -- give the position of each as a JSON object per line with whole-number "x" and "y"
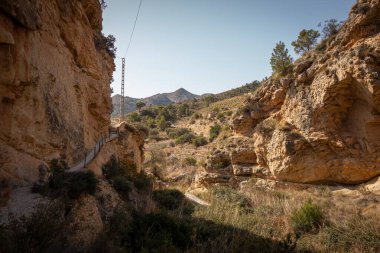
{"x": 167, "y": 98}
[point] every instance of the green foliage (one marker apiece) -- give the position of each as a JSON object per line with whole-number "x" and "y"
{"x": 231, "y": 196}
{"x": 134, "y": 117}
{"x": 266, "y": 126}
{"x": 177, "y": 132}
{"x": 199, "y": 141}
{"x": 61, "y": 183}
{"x": 161, "y": 122}
{"x": 140, "y": 104}
{"x": 307, "y": 39}
{"x": 103, "y": 4}
{"x": 142, "y": 129}
{"x": 154, "y": 135}
{"x": 191, "y": 161}
{"x": 210, "y": 99}
{"x": 330, "y": 27}
{"x": 183, "y": 110}
{"x": 181, "y": 135}
{"x": 361, "y": 8}
{"x": 186, "y": 138}
{"x": 158, "y": 232}
{"x": 215, "y": 131}
{"x": 142, "y": 181}
{"x": 81, "y": 182}
{"x": 57, "y": 177}
{"x": 121, "y": 185}
{"x": 280, "y": 60}
{"x": 173, "y": 200}
{"x": 308, "y": 217}
{"x": 220, "y": 116}
{"x": 118, "y": 175}
{"x": 35, "y": 233}
{"x": 112, "y": 168}
{"x": 106, "y": 43}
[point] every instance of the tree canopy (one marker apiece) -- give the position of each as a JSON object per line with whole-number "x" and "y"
{"x": 140, "y": 104}
{"x": 330, "y": 27}
{"x": 281, "y": 61}
{"x": 307, "y": 39}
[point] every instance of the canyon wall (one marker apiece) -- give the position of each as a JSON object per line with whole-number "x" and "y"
{"x": 54, "y": 83}
{"x": 320, "y": 123}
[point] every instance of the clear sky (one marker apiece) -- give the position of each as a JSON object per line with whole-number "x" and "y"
{"x": 206, "y": 46}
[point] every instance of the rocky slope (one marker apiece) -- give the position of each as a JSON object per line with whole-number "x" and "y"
{"x": 321, "y": 123}
{"x": 158, "y": 99}
{"x": 54, "y": 83}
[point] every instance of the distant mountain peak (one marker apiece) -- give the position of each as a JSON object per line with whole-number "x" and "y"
{"x": 177, "y": 96}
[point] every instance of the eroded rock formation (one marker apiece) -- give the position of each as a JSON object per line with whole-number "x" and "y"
{"x": 321, "y": 123}
{"x": 54, "y": 83}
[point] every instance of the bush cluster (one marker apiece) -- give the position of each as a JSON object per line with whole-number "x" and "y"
{"x": 191, "y": 161}
{"x": 62, "y": 183}
{"x": 199, "y": 141}
{"x": 121, "y": 176}
{"x": 309, "y": 217}
{"x": 215, "y": 131}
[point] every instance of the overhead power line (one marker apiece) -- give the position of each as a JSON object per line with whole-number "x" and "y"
{"x": 133, "y": 30}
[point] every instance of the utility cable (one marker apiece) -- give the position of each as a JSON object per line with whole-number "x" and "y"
{"x": 133, "y": 30}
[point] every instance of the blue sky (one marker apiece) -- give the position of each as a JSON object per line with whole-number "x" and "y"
{"x": 206, "y": 46}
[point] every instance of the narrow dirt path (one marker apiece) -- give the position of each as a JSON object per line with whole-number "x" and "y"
{"x": 196, "y": 200}
{"x": 80, "y": 165}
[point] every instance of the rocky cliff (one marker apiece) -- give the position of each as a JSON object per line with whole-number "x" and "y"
{"x": 320, "y": 123}
{"x": 54, "y": 83}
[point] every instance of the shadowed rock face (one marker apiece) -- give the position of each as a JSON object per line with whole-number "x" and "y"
{"x": 321, "y": 123}
{"x": 54, "y": 83}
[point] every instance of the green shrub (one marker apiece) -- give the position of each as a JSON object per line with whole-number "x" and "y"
{"x": 111, "y": 169}
{"x": 266, "y": 126}
{"x": 142, "y": 129}
{"x": 154, "y": 135}
{"x": 38, "y": 232}
{"x": 142, "y": 181}
{"x": 81, "y": 182}
{"x": 309, "y": 217}
{"x": 220, "y": 116}
{"x": 215, "y": 131}
{"x": 191, "y": 161}
{"x": 57, "y": 177}
{"x": 177, "y": 132}
{"x": 172, "y": 200}
{"x": 199, "y": 141}
{"x": 185, "y": 138}
{"x": 134, "y": 117}
{"x": 121, "y": 185}
{"x": 158, "y": 232}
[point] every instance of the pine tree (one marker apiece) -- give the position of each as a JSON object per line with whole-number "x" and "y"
{"x": 306, "y": 41}
{"x": 281, "y": 61}
{"x": 330, "y": 27}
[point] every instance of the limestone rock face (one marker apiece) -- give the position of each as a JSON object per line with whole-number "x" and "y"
{"x": 54, "y": 83}
{"x": 321, "y": 123}
{"x": 128, "y": 148}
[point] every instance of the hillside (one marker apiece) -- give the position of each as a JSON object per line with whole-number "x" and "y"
{"x": 157, "y": 99}
{"x": 290, "y": 164}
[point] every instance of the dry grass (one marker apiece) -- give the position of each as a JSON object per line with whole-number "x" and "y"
{"x": 268, "y": 214}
